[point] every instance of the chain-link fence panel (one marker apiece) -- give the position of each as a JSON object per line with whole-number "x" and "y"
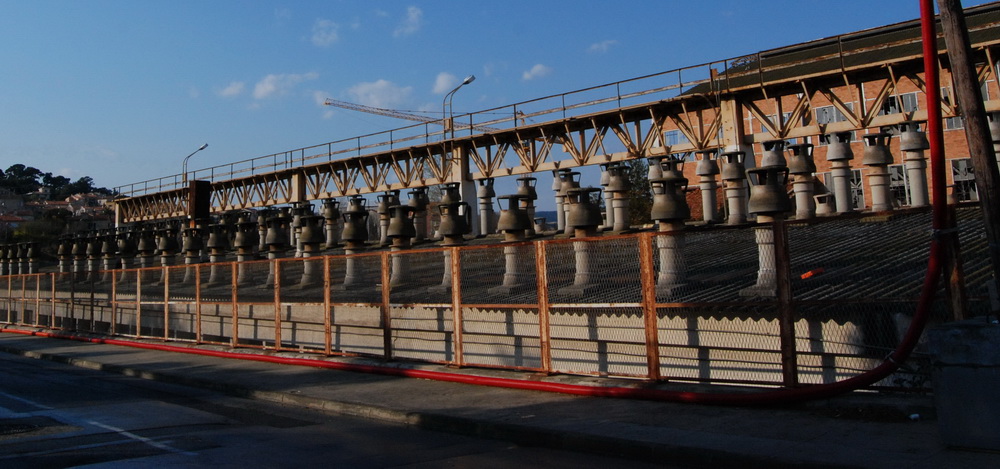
{"x": 500, "y": 322}
{"x": 255, "y": 314}
{"x": 502, "y": 337}
{"x": 421, "y": 316}
{"x": 727, "y": 342}
{"x": 181, "y": 310}
{"x": 716, "y": 316}
{"x": 596, "y": 325}
{"x": 356, "y": 278}
{"x": 62, "y": 304}
{"x": 975, "y": 259}
{"x": 215, "y": 305}
{"x": 855, "y": 282}
{"x": 302, "y": 304}
{"x": 6, "y": 297}
{"x": 126, "y": 301}
{"x": 499, "y": 275}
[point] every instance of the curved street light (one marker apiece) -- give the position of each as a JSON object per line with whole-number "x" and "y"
{"x": 446, "y": 104}
{"x": 184, "y": 166}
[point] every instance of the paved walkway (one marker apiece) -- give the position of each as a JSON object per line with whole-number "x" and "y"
{"x": 858, "y": 430}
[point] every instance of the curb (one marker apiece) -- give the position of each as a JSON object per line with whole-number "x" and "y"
{"x": 524, "y": 435}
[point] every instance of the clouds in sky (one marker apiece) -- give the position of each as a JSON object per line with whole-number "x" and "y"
{"x": 602, "y": 47}
{"x": 232, "y": 89}
{"x": 411, "y": 23}
{"x": 325, "y": 32}
{"x": 277, "y": 85}
{"x": 380, "y": 93}
{"x": 538, "y": 71}
{"x": 444, "y": 83}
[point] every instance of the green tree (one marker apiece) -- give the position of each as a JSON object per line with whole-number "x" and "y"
{"x": 639, "y": 193}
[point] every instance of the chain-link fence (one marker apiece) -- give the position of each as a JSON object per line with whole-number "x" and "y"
{"x": 789, "y": 303}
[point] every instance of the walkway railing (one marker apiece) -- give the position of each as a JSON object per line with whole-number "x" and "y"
{"x": 853, "y": 284}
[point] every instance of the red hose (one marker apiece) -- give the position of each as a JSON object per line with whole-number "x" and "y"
{"x": 781, "y": 396}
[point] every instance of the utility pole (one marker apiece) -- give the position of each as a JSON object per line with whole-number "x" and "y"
{"x": 970, "y": 102}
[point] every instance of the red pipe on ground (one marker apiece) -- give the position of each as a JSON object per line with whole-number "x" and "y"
{"x": 775, "y": 397}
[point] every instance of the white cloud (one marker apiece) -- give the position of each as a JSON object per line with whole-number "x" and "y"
{"x": 233, "y": 89}
{"x": 277, "y": 85}
{"x": 603, "y": 46}
{"x": 411, "y": 24}
{"x": 320, "y": 97}
{"x": 444, "y": 83}
{"x": 537, "y": 71}
{"x": 380, "y": 93}
{"x": 325, "y": 32}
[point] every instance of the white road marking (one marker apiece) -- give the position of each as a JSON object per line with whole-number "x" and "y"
{"x": 143, "y": 439}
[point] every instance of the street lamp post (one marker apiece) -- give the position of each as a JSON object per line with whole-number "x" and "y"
{"x": 446, "y": 106}
{"x": 184, "y": 166}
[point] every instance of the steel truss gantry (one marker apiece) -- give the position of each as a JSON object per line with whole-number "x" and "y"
{"x": 714, "y": 105}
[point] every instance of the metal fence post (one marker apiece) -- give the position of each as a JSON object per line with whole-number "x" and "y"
{"x": 327, "y": 325}
{"x": 277, "y": 304}
{"x": 544, "y": 333}
{"x": 234, "y": 295}
{"x": 647, "y": 277}
{"x": 386, "y": 309}
{"x": 786, "y": 310}
{"x": 456, "y": 303}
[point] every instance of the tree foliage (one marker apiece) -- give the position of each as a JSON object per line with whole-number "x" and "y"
{"x": 22, "y": 180}
{"x": 640, "y": 195}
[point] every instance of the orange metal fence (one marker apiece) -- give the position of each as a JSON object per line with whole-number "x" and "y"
{"x": 710, "y": 305}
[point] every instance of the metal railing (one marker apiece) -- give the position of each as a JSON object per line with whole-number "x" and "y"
{"x": 839, "y": 53}
{"x": 533, "y": 306}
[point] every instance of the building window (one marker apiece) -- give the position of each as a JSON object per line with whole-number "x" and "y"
{"x": 857, "y": 188}
{"x": 674, "y": 137}
{"x": 964, "y": 180}
{"x": 906, "y": 102}
{"x": 898, "y": 185}
{"x": 829, "y": 115}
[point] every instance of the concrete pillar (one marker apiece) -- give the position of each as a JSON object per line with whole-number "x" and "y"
{"x": 802, "y": 166}
{"x": 839, "y": 154}
{"x": 191, "y": 246}
{"x": 558, "y": 177}
{"x": 878, "y": 158}
{"x": 168, "y": 247}
{"x": 419, "y": 202}
{"x": 513, "y": 223}
{"x": 707, "y": 170}
{"x": 312, "y": 237}
{"x": 354, "y": 236}
{"x": 218, "y": 242}
{"x": 109, "y": 254}
{"x": 673, "y": 268}
{"x": 64, "y": 252}
{"x": 913, "y": 142}
{"x": 32, "y": 258}
{"x": 385, "y": 200}
{"x": 734, "y": 180}
{"x": 93, "y": 257}
{"x": 609, "y": 214}
{"x": 569, "y": 180}
{"x": 618, "y": 186}
{"x": 400, "y": 233}
{"x": 526, "y": 188}
{"x": 487, "y": 218}
{"x": 585, "y": 218}
{"x": 244, "y": 242}
{"x": 331, "y": 220}
{"x": 768, "y": 200}
{"x": 277, "y": 243}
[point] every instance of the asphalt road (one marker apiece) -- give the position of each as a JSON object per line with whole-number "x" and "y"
{"x": 55, "y": 415}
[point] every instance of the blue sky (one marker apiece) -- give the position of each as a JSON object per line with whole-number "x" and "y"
{"x": 123, "y": 90}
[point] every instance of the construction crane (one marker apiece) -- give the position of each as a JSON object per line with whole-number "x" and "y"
{"x": 403, "y": 115}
